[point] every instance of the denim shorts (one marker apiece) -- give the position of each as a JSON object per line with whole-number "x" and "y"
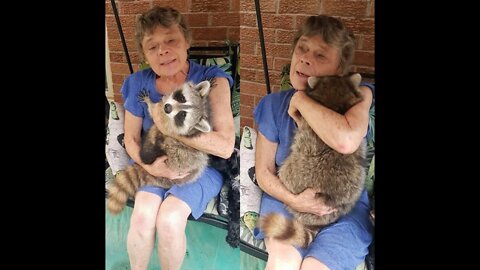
{"x": 197, "y": 194}
{"x": 341, "y": 245}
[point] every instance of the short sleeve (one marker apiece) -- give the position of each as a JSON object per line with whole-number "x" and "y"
{"x": 265, "y": 118}
{"x": 371, "y": 124}
{"x": 216, "y": 72}
{"x": 130, "y": 90}
{"x": 372, "y": 88}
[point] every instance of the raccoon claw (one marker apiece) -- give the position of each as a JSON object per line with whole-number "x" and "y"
{"x": 143, "y": 95}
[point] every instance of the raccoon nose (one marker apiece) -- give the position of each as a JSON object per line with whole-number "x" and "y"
{"x": 167, "y": 108}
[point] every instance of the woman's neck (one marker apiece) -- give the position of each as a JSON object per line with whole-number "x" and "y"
{"x": 166, "y": 84}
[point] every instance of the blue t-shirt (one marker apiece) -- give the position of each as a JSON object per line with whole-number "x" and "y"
{"x": 274, "y": 122}
{"x": 146, "y": 79}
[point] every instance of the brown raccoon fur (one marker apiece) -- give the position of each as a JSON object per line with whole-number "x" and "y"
{"x": 184, "y": 112}
{"x": 312, "y": 163}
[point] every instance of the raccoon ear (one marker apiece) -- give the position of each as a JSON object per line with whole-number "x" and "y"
{"x": 203, "y": 126}
{"x": 203, "y": 88}
{"x": 356, "y": 79}
{"x": 312, "y": 81}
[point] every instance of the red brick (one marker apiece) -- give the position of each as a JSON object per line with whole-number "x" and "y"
{"x": 247, "y": 47}
{"x": 108, "y": 7}
{"x": 112, "y": 33}
{"x": 235, "y": 5}
{"x": 360, "y": 26}
{"x": 133, "y": 7}
{"x": 371, "y": 12}
{"x": 226, "y": 19}
{"x": 125, "y": 21}
{"x": 274, "y": 77}
{"x": 246, "y": 120}
{"x": 299, "y": 6}
{"x": 252, "y": 88}
{"x": 128, "y": 33}
{"x": 277, "y": 50}
{"x": 368, "y": 43}
{"x": 300, "y": 20}
{"x": 197, "y": 19}
{"x": 119, "y": 68}
{"x": 363, "y": 58}
{"x": 118, "y": 57}
{"x": 253, "y": 61}
{"x": 268, "y": 6}
{"x": 116, "y": 89}
{"x": 345, "y": 8}
{"x": 279, "y": 63}
{"x": 118, "y": 78}
{"x": 278, "y": 21}
{"x": 118, "y": 98}
{"x": 284, "y": 36}
{"x": 208, "y": 6}
{"x": 247, "y": 74}
{"x": 180, "y": 5}
{"x": 251, "y": 34}
{"x": 248, "y": 19}
{"x": 233, "y": 34}
{"x": 209, "y": 33}
{"x": 115, "y": 45}
{"x": 247, "y": 100}
{"x": 245, "y": 110}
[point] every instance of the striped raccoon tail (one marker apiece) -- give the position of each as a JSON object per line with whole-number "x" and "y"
{"x": 279, "y": 227}
{"x": 125, "y": 185}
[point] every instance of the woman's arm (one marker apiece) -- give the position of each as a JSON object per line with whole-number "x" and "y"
{"x": 221, "y": 140}
{"x": 269, "y": 182}
{"x": 133, "y": 139}
{"x": 344, "y": 133}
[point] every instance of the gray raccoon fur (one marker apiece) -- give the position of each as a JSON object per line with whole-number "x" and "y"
{"x": 185, "y": 112}
{"x": 312, "y": 163}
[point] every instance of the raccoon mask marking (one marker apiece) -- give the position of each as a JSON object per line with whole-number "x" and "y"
{"x": 184, "y": 112}
{"x": 312, "y": 163}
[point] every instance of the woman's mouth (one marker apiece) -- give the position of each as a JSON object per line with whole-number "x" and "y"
{"x": 302, "y": 75}
{"x": 168, "y": 62}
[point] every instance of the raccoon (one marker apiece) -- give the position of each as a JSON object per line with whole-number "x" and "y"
{"x": 184, "y": 112}
{"x": 312, "y": 163}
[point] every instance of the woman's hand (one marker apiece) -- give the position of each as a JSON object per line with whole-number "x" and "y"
{"x": 160, "y": 169}
{"x": 307, "y": 202}
{"x": 294, "y": 104}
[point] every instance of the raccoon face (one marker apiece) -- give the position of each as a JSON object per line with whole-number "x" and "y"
{"x": 186, "y": 109}
{"x": 335, "y": 92}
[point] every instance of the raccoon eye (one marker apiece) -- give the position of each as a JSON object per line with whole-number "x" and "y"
{"x": 178, "y": 96}
{"x": 180, "y": 118}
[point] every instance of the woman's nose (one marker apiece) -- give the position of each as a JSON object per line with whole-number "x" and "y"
{"x": 162, "y": 51}
{"x": 305, "y": 60}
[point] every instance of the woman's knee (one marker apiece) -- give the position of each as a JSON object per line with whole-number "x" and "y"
{"x": 311, "y": 263}
{"x": 172, "y": 217}
{"x": 282, "y": 255}
{"x": 145, "y": 212}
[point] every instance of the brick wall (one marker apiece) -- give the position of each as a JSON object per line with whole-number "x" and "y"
{"x": 212, "y": 23}
{"x": 280, "y": 19}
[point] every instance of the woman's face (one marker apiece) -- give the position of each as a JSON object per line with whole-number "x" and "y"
{"x": 313, "y": 57}
{"x": 165, "y": 50}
